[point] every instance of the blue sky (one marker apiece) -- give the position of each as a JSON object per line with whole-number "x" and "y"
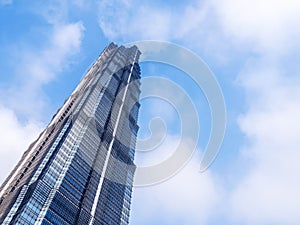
{"x": 252, "y": 47}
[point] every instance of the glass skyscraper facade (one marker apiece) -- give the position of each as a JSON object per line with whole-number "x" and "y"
{"x": 80, "y": 169}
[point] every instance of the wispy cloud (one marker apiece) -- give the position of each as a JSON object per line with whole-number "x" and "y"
{"x": 130, "y": 21}
{"x": 24, "y": 103}
{"x": 193, "y": 24}
{"x": 268, "y": 192}
{"x": 264, "y": 25}
{"x": 126, "y": 20}
{"x": 15, "y": 138}
{"x": 37, "y": 67}
{"x": 267, "y": 33}
{"x": 189, "y": 197}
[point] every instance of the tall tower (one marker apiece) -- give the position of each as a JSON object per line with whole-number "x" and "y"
{"x": 80, "y": 169}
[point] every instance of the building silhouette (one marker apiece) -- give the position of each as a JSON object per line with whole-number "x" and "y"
{"x": 80, "y": 169}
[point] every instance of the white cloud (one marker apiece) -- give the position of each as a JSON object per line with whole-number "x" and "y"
{"x": 266, "y": 25}
{"x": 64, "y": 42}
{"x": 126, "y": 20}
{"x": 39, "y": 67}
{"x": 130, "y": 20}
{"x": 189, "y": 197}
{"x": 24, "y": 102}
{"x": 193, "y": 24}
{"x": 15, "y": 137}
{"x": 269, "y": 192}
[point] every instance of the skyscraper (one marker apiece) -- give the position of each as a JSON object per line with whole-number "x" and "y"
{"x": 80, "y": 169}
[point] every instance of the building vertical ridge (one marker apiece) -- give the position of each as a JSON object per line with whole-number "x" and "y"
{"x": 80, "y": 169}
